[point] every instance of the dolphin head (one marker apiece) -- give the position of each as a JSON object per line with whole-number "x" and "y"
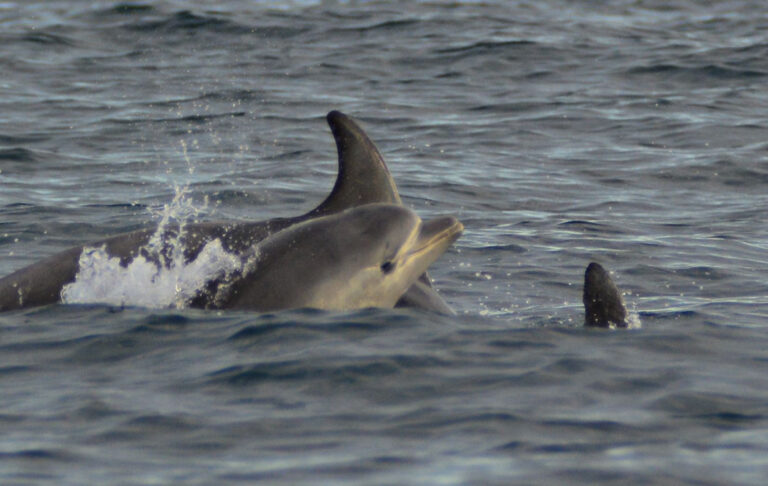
{"x": 362, "y": 257}
{"x": 385, "y": 248}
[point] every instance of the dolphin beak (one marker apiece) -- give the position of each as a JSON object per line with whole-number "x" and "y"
{"x": 435, "y": 236}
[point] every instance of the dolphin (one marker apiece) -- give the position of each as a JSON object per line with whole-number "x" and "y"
{"x": 366, "y": 256}
{"x": 603, "y": 305}
{"x": 363, "y": 178}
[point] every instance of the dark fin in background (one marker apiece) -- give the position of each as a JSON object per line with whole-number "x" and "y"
{"x": 603, "y": 305}
{"x": 363, "y": 176}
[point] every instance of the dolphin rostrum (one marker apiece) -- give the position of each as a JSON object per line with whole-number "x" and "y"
{"x": 363, "y": 178}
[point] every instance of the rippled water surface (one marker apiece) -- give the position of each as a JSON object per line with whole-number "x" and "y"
{"x": 633, "y": 133}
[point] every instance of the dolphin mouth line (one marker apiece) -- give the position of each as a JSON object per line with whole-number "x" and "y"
{"x": 449, "y": 231}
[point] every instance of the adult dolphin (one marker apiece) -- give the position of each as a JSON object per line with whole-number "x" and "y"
{"x": 366, "y": 256}
{"x": 362, "y": 178}
{"x": 603, "y": 305}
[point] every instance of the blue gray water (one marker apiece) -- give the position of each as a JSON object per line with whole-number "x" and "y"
{"x": 633, "y": 133}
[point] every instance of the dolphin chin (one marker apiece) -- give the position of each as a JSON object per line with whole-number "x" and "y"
{"x": 603, "y": 305}
{"x": 435, "y": 237}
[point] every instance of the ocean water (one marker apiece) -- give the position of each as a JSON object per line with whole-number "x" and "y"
{"x": 632, "y": 133}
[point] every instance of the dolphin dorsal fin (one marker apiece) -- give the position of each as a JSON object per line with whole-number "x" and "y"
{"x": 603, "y": 304}
{"x": 363, "y": 176}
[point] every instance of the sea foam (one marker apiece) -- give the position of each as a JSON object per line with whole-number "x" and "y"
{"x": 160, "y": 275}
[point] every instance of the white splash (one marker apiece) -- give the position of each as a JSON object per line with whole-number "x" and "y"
{"x": 101, "y": 279}
{"x": 633, "y": 321}
{"x": 165, "y": 279}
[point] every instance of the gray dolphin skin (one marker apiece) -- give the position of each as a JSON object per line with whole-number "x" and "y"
{"x": 363, "y": 178}
{"x": 367, "y": 256}
{"x": 603, "y": 305}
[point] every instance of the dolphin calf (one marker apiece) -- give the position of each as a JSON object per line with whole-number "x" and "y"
{"x": 603, "y": 305}
{"x": 366, "y": 256}
{"x": 363, "y": 178}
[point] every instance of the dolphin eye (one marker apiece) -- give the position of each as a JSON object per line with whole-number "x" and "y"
{"x": 387, "y": 266}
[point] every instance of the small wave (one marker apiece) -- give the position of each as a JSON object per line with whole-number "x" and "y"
{"x": 161, "y": 324}
{"x": 388, "y": 26}
{"x": 712, "y": 409}
{"x": 231, "y": 95}
{"x": 36, "y": 455}
{"x": 12, "y": 370}
{"x": 304, "y": 324}
{"x": 129, "y": 9}
{"x": 18, "y": 154}
{"x": 589, "y": 227}
{"x": 279, "y": 31}
{"x": 511, "y": 248}
{"x": 167, "y": 320}
{"x": 151, "y": 19}
{"x": 514, "y": 107}
{"x": 20, "y": 139}
{"x": 342, "y": 371}
{"x": 258, "y": 332}
{"x": 248, "y": 375}
{"x": 722, "y": 172}
{"x": 104, "y": 348}
{"x": 189, "y": 119}
{"x": 711, "y": 71}
{"x": 95, "y": 409}
{"x": 484, "y": 46}
{"x": 157, "y": 423}
{"x": 47, "y": 39}
{"x": 205, "y": 118}
{"x": 186, "y": 21}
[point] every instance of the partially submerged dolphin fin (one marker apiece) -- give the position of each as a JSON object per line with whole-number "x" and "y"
{"x": 422, "y": 295}
{"x": 603, "y": 305}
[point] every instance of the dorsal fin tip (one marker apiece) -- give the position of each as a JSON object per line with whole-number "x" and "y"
{"x": 334, "y": 115}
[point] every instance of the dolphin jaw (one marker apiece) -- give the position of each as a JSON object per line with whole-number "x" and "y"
{"x": 436, "y": 233}
{"x": 427, "y": 242}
